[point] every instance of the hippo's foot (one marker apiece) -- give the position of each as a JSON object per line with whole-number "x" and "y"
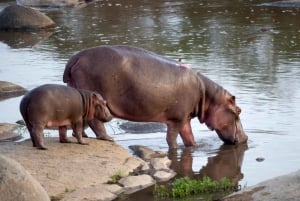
{"x": 42, "y": 148}
{"x": 106, "y": 138}
{"x": 83, "y": 143}
{"x": 83, "y": 135}
{"x": 64, "y": 141}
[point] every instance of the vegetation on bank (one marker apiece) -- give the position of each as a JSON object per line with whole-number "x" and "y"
{"x": 184, "y": 187}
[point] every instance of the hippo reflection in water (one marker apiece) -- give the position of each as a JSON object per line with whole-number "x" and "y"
{"x": 142, "y": 86}
{"x": 227, "y": 163}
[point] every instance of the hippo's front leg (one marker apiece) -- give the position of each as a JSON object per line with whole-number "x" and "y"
{"x": 78, "y": 129}
{"x": 99, "y": 129}
{"x": 186, "y": 134}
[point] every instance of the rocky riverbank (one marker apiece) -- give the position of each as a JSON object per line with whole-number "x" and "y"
{"x": 81, "y": 172}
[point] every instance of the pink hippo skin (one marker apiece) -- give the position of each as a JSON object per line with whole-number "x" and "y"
{"x": 53, "y": 105}
{"x": 142, "y": 86}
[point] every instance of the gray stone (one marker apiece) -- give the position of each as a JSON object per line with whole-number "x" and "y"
{"x": 16, "y": 17}
{"x": 132, "y": 184}
{"x": 133, "y": 163}
{"x": 160, "y": 163}
{"x": 164, "y": 175}
{"x": 17, "y": 184}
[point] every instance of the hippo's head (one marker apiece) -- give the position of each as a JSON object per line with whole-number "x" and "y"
{"x": 222, "y": 115}
{"x": 99, "y": 109}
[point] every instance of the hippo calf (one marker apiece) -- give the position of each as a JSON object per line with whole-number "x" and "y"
{"x": 54, "y": 105}
{"x": 140, "y": 85}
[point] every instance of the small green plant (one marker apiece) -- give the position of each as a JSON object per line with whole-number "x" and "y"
{"x": 116, "y": 177}
{"x": 185, "y": 186}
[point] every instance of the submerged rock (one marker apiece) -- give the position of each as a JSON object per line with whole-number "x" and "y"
{"x": 142, "y": 127}
{"x": 16, "y": 17}
{"x": 17, "y": 184}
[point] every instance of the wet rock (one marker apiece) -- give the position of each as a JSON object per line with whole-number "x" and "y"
{"x": 141, "y": 127}
{"x": 53, "y": 3}
{"x": 8, "y": 132}
{"x": 16, "y": 17}
{"x": 17, "y": 184}
{"x": 9, "y": 90}
{"x": 146, "y": 153}
{"x": 132, "y": 184}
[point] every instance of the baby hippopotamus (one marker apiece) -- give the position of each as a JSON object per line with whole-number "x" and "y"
{"x": 54, "y": 105}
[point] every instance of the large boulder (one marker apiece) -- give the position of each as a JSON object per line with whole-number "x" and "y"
{"x": 17, "y": 184}
{"x": 53, "y": 3}
{"x": 17, "y": 17}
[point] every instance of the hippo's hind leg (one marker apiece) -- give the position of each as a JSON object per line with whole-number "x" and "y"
{"x": 85, "y": 125}
{"x": 32, "y": 137}
{"x": 63, "y": 134}
{"x": 99, "y": 130}
{"x": 37, "y": 135}
{"x": 172, "y": 133}
{"x": 78, "y": 129}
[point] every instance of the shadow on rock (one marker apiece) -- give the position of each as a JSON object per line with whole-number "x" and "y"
{"x": 226, "y": 163}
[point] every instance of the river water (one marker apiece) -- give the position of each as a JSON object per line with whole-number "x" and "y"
{"x": 251, "y": 50}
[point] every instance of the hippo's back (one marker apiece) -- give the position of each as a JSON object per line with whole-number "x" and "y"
{"x": 137, "y": 84}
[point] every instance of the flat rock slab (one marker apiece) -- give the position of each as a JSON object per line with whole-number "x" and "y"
{"x": 277, "y": 189}
{"x": 69, "y": 168}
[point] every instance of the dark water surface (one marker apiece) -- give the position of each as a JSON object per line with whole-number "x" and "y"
{"x": 253, "y": 51}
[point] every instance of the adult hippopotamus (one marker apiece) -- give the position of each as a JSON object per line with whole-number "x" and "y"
{"x": 142, "y": 86}
{"x": 54, "y": 105}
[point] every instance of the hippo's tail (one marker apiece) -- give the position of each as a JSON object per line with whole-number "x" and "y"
{"x": 67, "y": 77}
{"x": 23, "y": 108}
